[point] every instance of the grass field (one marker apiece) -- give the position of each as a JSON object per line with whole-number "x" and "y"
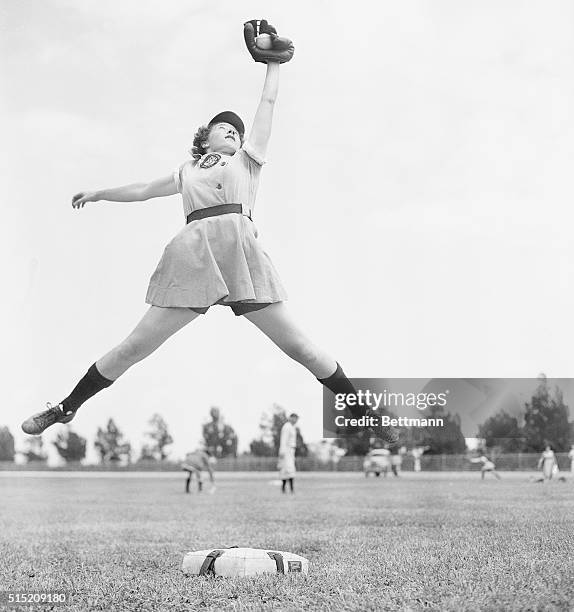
{"x": 429, "y": 541}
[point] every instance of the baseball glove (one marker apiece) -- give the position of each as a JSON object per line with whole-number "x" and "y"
{"x": 281, "y": 51}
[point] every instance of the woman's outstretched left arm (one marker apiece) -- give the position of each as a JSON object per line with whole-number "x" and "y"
{"x": 261, "y": 129}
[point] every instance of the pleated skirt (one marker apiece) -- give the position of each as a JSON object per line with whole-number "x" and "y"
{"x": 215, "y": 260}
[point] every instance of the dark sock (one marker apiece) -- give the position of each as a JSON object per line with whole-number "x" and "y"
{"x": 199, "y": 485}
{"x": 187, "y": 483}
{"x": 283, "y": 486}
{"x": 291, "y": 484}
{"x": 89, "y": 385}
{"x": 339, "y": 383}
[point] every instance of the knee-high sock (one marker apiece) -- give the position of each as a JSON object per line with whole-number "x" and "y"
{"x": 89, "y": 385}
{"x": 339, "y": 383}
{"x": 284, "y": 482}
{"x": 291, "y": 484}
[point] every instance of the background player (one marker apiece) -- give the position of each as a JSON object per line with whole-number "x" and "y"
{"x": 397, "y": 460}
{"x": 287, "y": 448}
{"x": 487, "y": 466}
{"x": 417, "y": 452}
{"x": 377, "y": 461}
{"x": 194, "y": 463}
{"x": 547, "y": 462}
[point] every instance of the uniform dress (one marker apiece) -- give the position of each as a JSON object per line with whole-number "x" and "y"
{"x": 548, "y": 461}
{"x": 217, "y": 259}
{"x": 287, "y": 446}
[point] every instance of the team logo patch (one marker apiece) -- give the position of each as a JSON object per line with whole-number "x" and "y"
{"x": 210, "y": 160}
{"x": 294, "y": 566}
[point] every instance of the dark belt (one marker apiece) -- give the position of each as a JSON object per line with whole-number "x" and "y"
{"x": 221, "y": 209}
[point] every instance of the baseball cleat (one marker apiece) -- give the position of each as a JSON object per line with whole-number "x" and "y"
{"x": 37, "y": 423}
{"x": 386, "y": 432}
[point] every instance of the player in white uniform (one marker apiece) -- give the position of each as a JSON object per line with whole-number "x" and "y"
{"x": 547, "y": 462}
{"x": 287, "y": 448}
{"x": 417, "y": 452}
{"x": 216, "y": 258}
{"x": 571, "y": 457}
{"x": 487, "y": 466}
{"x": 549, "y": 465}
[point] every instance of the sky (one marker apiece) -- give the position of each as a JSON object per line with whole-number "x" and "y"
{"x": 417, "y": 200}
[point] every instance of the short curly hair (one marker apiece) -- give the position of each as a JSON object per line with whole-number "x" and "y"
{"x": 201, "y": 135}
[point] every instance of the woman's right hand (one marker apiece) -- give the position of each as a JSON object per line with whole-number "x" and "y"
{"x": 281, "y": 51}
{"x": 80, "y": 199}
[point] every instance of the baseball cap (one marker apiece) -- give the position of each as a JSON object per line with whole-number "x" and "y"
{"x": 231, "y": 118}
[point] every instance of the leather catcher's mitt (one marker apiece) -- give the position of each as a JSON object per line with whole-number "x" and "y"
{"x": 282, "y": 48}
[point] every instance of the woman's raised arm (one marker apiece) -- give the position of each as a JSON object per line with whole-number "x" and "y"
{"x": 136, "y": 192}
{"x": 261, "y": 129}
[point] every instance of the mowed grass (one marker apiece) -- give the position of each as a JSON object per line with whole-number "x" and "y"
{"x": 420, "y": 542}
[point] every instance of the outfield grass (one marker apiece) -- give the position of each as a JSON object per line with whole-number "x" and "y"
{"x": 441, "y": 541}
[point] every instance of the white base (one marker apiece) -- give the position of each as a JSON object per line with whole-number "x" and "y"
{"x": 244, "y": 562}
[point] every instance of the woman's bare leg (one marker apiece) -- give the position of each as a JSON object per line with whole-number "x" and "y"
{"x": 156, "y": 326}
{"x": 276, "y": 323}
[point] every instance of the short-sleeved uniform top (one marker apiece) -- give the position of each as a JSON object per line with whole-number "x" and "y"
{"x": 216, "y": 259}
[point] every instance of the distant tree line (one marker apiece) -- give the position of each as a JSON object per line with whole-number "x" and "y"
{"x": 543, "y": 422}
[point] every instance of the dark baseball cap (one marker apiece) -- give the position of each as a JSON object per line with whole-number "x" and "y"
{"x": 231, "y": 118}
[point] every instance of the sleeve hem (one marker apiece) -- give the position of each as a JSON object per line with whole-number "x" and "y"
{"x": 253, "y": 155}
{"x": 177, "y": 177}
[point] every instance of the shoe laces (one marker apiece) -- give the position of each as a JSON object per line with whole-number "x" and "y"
{"x": 58, "y": 407}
